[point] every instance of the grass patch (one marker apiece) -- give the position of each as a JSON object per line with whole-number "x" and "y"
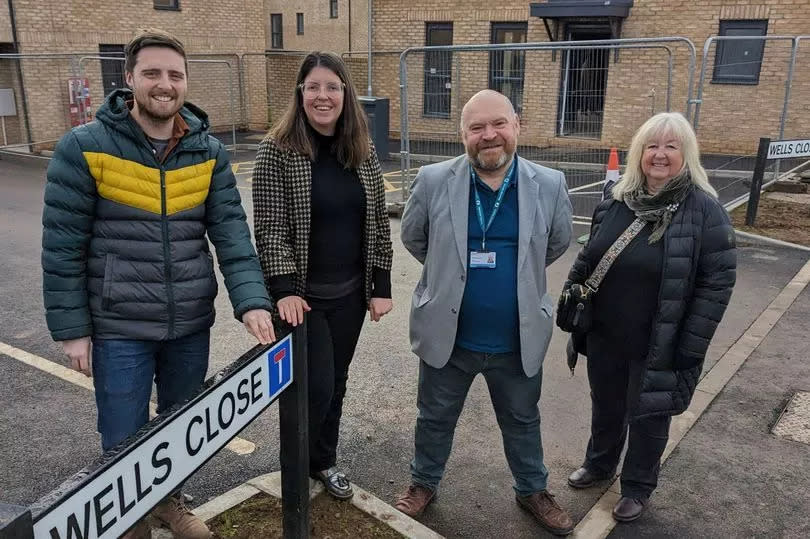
{"x": 260, "y": 516}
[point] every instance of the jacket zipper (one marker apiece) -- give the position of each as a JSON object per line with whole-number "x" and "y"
{"x": 164, "y": 225}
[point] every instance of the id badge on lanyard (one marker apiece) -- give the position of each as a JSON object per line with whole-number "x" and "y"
{"x": 483, "y": 258}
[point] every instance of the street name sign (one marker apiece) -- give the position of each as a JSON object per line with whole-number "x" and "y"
{"x": 786, "y": 149}
{"x": 113, "y": 498}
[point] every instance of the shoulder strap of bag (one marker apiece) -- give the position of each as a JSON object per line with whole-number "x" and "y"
{"x": 613, "y": 252}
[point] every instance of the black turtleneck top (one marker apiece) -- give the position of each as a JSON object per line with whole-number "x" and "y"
{"x": 337, "y": 223}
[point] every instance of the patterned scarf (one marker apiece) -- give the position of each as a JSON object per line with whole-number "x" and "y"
{"x": 660, "y": 207}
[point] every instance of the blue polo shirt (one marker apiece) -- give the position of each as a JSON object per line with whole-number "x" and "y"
{"x": 488, "y": 319}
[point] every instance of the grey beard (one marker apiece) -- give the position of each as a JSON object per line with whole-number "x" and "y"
{"x": 505, "y": 158}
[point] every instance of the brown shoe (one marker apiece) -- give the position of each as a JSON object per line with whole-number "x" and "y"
{"x": 141, "y": 530}
{"x": 547, "y": 512}
{"x": 173, "y": 513}
{"x": 414, "y": 501}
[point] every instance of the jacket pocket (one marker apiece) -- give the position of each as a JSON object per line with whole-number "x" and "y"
{"x": 208, "y": 265}
{"x": 421, "y": 296}
{"x": 106, "y": 292}
{"x": 546, "y": 305}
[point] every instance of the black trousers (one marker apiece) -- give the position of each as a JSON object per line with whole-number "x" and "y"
{"x": 612, "y": 377}
{"x": 333, "y": 327}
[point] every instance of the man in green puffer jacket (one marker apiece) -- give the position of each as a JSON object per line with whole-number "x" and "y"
{"x": 126, "y": 265}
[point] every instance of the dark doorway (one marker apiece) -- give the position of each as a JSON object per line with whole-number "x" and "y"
{"x": 112, "y": 71}
{"x": 438, "y": 66}
{"x": 582, "y": 84}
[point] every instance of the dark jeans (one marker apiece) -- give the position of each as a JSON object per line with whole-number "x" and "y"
{"x": 610, "y": 379}
{"x": 441, "y": 397}
{"x": 123, "y": 371}
{"x": 333, "y": 327}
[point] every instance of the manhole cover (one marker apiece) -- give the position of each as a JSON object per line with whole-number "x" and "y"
{"x": 794, "y": 424}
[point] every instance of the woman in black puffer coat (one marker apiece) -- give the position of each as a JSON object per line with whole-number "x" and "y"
{"x": 657, "y": 307}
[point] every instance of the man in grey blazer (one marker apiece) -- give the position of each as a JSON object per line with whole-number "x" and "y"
{"x": 485, "y": 225}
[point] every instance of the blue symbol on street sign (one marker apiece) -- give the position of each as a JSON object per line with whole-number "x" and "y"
{"x": 279, "y": 360}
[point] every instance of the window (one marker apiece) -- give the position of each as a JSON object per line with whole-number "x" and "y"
{"x": 112, "y": 71}
{"x": 739, "y": 61}
{"x": 299, "y": 24}
{"x": 276, "y": 36}
{"x": 333, "y": 13}
{"x": 167, "y": 4}
{"x": 583, "y": 84}
{"x": 438, "y": 66}
{"x": 506, "y": 67}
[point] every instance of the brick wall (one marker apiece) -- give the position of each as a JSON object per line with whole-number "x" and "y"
{"x": 5, "y": 25}
{"x": 55, "y": 26}
{"x": 732, "y": 118}
{"x": 321, "y": 32}
{"x": 14, "y": 124}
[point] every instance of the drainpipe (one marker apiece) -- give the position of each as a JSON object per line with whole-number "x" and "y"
{"x": 350, "y": 25}
{"x": 370, "y": 27}
{"x": 23, "y": 97}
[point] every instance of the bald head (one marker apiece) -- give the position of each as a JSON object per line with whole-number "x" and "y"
{"x": 489, "y": 130}
{"x": 485, "y": 100}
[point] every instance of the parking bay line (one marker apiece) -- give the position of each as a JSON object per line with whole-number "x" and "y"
{"x": 240, "y": 446}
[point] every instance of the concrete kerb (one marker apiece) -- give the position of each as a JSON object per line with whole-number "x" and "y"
{"x": 363, "y": 500}
{"x": 747, "y": 238}
{"x": 599, "y": 522}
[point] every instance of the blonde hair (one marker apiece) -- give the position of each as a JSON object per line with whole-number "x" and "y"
{"x": 674, "y": 124}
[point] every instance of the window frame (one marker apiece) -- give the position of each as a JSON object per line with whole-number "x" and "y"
{"x": 299, "y": 24}
{"x": 723, "y": 46}
{"x": 333, "y": 9}
{"x": 496, "y": 82}
{"x": 434, "y": 59}
{"x": 273, "y": 33}
{"x": 111, "y": 69}
{"x": 175, "y": 6}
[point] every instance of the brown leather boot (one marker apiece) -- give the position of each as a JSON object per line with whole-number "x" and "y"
{"x": 141, "y": 530}
{"x": 414, "y": 500}
{"x": 173, "y": 513}
{"x": 547, "y": 512}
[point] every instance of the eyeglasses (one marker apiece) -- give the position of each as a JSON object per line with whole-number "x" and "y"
{"x": 313, "y": 89}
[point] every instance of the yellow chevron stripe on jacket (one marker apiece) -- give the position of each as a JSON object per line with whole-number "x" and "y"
{"x": 136, "y": 185}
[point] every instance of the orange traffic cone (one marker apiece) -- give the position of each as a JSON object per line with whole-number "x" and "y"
{"x": 611, "y": 177}
{"x": 612, "y": 174}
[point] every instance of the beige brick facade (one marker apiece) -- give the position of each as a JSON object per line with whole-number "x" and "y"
{"x": 347, "y": 32}
{"x": 732, "y": 117}
{"x": 57, "y": 26}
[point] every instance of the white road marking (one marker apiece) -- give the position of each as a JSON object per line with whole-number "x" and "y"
{"x": 238, "y": 445}
{"x": 581, "y": 187}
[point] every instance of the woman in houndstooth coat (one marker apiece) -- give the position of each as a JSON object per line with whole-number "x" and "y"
{"x": 323, "y": 239}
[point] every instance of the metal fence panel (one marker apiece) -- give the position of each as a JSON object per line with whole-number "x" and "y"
{"x": 65, "y": 90}
{"x": 575, "y": 101}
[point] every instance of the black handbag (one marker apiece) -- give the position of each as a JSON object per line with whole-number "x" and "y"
{"x": 575, "y": 306}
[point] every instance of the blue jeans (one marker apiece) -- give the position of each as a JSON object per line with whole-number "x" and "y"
{"x": 515, "y": 398}
{"x": 123, "y": 371}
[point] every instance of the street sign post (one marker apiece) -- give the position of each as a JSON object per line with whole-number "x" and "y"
{"x": 126, "y": 483}
{"x": 771, "y": 149}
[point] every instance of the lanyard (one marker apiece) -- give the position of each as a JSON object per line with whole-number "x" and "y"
{"x": 479, "y": 210}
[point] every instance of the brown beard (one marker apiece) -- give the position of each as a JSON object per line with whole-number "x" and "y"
{"x": 145, "y": 111}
